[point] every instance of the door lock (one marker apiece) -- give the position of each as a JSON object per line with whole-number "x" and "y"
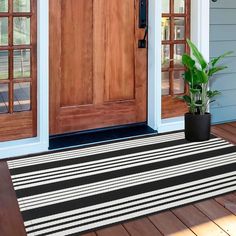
{"x": 142, "y": 14}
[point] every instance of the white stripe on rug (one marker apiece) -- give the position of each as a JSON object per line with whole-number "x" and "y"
{"x": 83, "y": 191}
{"x": 63, "y": 177}
{"x": 104, "y": 148}
{"x": 121, "y": 159}
{"x": 203, "y": 182}
{"x": 136, "y": 206}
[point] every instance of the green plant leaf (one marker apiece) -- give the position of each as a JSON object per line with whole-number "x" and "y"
{"x": 211, "y": 94}
{"x": 195, "y": 91}
{"x": 201, "y": 77}
{"x": 187, "y": 76}
{"x": 214, "y": 61}
{"x": 214, "y": 70}
{"x": 186, "y": 98}
{"x": 188, "y": 61}
{"x": 197, "y": 54}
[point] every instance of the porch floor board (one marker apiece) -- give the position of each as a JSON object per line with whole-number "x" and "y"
{"x": 210, "y": 217}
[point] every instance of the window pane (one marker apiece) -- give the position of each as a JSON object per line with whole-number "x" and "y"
{"x": 21, "y": 6}
{"x": 179, "y": 6}
{"x": 178, "y": 82}
{"x": 4, "y": 98}
{"x": 21, "y": 31}
{"x": 3, "y": 6}
{"x": 165, "y": 83}
{"x": 22, "y": 97}
{"x": 165, "y": 28}
{"x": 179, "y": 50}
{"x": 165, "y": 56}
{"x": 179, "y": 28}
{"x": 3, "y": 31}
{"x": 165, "y": 6}
{"x": 3, "y": 64}
{"x": 22, "y": 63}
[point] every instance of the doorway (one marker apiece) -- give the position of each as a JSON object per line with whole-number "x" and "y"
{"x": 98, "y": 73}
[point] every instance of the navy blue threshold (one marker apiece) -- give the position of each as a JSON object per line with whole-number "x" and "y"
{"x": 99, "y": 135}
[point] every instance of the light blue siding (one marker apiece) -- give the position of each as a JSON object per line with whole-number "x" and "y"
{"x": 222, "y": 39}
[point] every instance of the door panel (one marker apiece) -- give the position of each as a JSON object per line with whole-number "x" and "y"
{"x": 98, "y": 75}
{"x": 77, "y": 52}
{"x": 120, "y": 51}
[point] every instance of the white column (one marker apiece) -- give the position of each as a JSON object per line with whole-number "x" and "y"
{"x": 43, "y": 71}
{"x": 154, "y": 64}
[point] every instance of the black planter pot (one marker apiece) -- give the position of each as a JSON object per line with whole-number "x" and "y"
{"x": 197, "y": 127}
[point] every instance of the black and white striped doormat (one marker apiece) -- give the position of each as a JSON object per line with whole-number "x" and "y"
{"x": 71, "y": 192}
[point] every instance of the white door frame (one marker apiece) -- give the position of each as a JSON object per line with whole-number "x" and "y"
{"x": 200, "y": 34}
{"x": 200, "y": 23}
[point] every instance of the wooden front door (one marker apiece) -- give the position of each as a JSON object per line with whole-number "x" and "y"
{"x": 98, "y": 75}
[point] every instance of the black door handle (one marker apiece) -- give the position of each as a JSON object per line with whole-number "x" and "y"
{"x": 143, "y": 42}
{"x": 142, "y": 14}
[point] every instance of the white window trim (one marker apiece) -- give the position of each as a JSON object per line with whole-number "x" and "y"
{"x": 200, "y": 35}
{"x": 40, "y": 143}
{"x": 200, "y": 23}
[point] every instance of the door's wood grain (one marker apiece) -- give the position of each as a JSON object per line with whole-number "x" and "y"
{"x": 170, "y": 225}
{"x": 99, "y": 48}
{"x": 98, "y": 75}
{"x": 120, "y": 50}
{"x": 76, "y": 53}
{"x": 54, "y": 63}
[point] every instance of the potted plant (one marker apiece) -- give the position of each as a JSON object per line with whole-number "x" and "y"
{"x": 199, "y": 96}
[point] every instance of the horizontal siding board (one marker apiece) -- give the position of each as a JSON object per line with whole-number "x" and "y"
{"x": 223, "y": 32}
{"x": 222, "y": 17}
{"x": 219, "y": 47}
{"x": 227, "y": 98}
{"x": 231, "y": 63}
{"x": 223, "y": 4}
{"x": 224, "y": 114}
{"x": 223, "y": 82}
{"x": 222, "y": 39}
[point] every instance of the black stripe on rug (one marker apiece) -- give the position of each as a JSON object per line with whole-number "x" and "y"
{"x": 116, "y": 174}
{"x": 95, "y": 157}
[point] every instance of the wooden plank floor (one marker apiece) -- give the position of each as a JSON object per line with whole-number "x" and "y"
{"x": 214, "y": 217}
